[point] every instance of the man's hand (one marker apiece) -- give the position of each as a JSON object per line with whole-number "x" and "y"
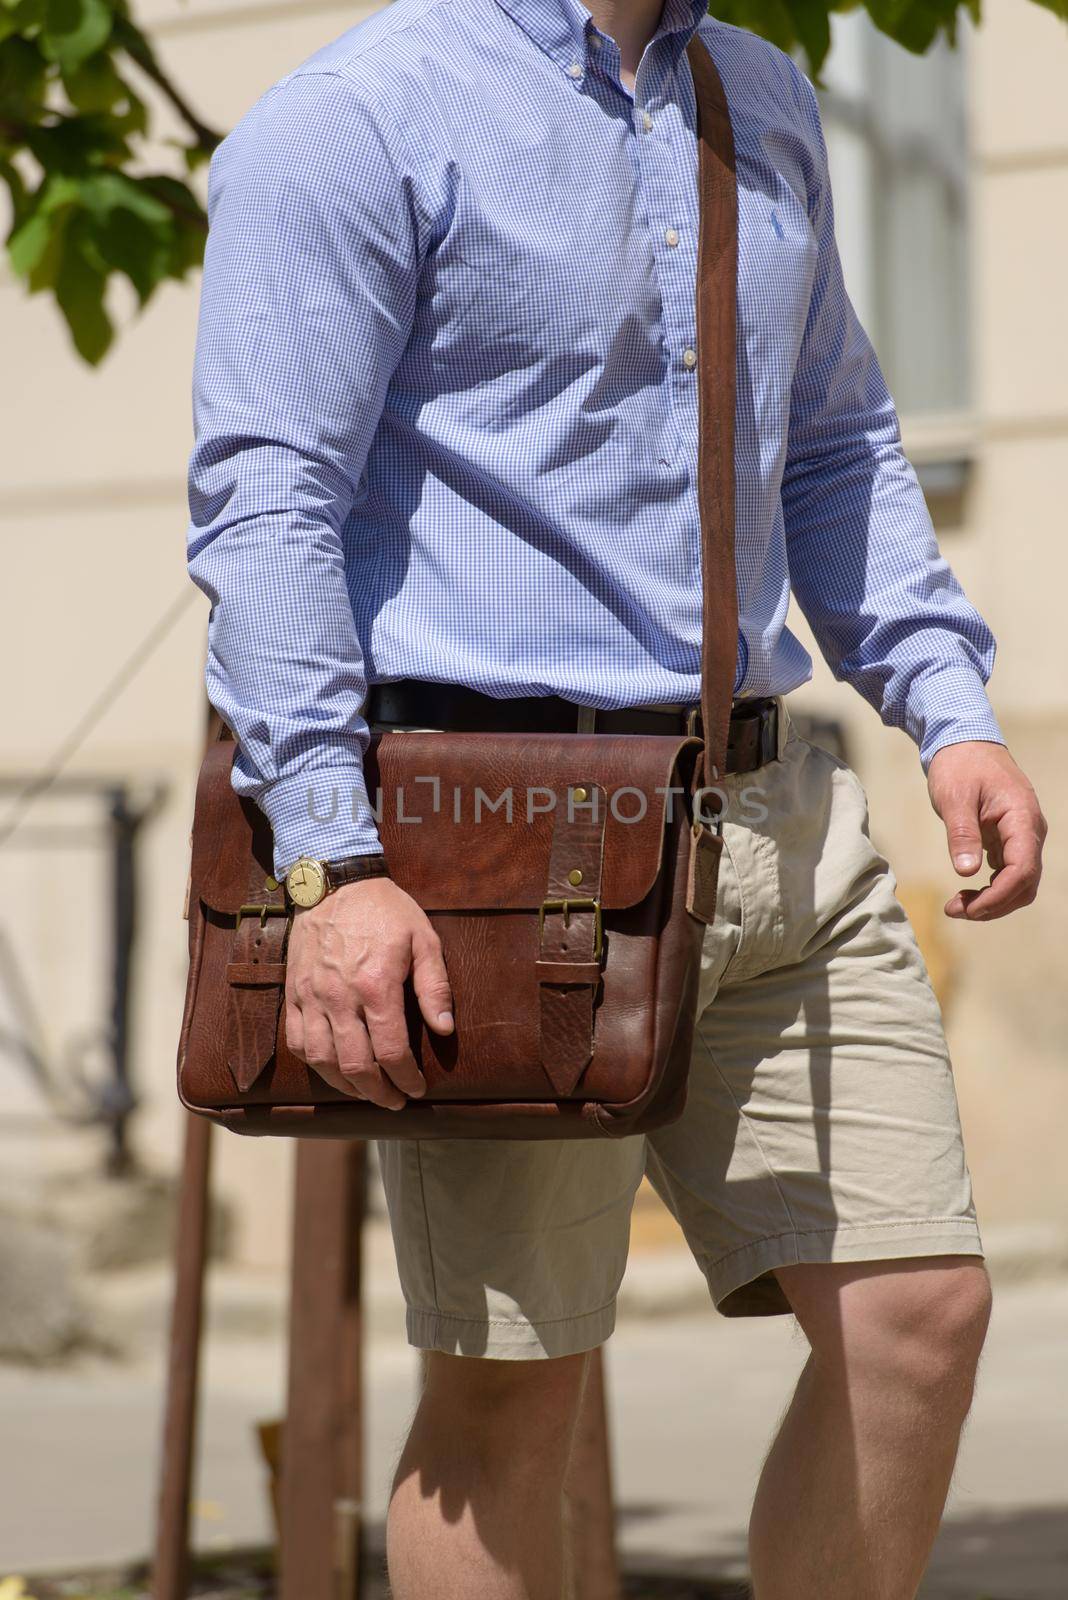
{"x": 987, "y": 803}
{"x": 348, "y": 959}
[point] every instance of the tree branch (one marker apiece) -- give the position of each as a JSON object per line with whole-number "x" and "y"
{"x": 141, "y": 54}
{"x": 197, "y": 218}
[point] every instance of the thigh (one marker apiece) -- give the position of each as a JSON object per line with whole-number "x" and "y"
{"x": 822, "y": 1120}
{"x": 511, "y": 1249}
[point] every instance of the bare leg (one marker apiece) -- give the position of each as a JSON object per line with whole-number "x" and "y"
{"x": 478, "y": 1496}
{"x": 853, "y": 1489}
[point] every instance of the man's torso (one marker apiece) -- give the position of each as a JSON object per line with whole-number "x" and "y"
{"x": 527, "y": 521}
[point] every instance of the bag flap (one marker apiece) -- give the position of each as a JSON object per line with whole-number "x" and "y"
{"x": 466, "y": 819}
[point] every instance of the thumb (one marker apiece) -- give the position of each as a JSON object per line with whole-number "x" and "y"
{"x": 962, "y": 832}
{"x": 431, "y": 984}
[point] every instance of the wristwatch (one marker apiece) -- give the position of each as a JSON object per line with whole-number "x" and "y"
{"x": 308, "y": 881}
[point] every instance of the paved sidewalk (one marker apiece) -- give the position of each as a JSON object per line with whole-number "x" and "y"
{"x": 694, "y": 1401}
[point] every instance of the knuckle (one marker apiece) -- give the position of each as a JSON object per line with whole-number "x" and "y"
{"x": 390, "y": 1058}
{"x": 331, "y": 992}
{"x": 359, "y": 1074}
{"x": 389, "y": 1045}
{"x": 374, "y": 978}
{"x": 391, "y": 1050}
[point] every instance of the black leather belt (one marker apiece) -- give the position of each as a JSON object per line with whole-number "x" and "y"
{"x": 753, "y": 738}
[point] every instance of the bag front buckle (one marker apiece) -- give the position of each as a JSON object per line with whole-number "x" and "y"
{"x": 263, "y": 912}
{"x": 569, "y": 905}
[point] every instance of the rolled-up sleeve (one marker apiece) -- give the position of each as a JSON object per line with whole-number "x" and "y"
{"x": 308, "y": 297}
{"x": 886, "y": 610}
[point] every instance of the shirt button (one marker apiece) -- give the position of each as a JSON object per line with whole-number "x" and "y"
{"x": 575, "y": 70}
{"x": 596, "y": 40}
{"x": 671, "y": 235}
{"x": 647, "y": 121}
{"x": 689, "y": 358}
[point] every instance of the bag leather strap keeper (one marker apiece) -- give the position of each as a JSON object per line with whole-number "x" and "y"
{"x": 569, "y": 957}
{"x": 256, "y": 977}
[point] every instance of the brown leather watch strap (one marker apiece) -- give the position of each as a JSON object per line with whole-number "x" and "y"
{"x": 354, "y": 869}
{"x": 568, "y": 967}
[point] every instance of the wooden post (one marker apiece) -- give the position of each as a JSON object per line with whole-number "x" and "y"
{"x": 170, "y": 1571}
{"x": 322, "y": 1455}
{"x": 590, "y": 1511}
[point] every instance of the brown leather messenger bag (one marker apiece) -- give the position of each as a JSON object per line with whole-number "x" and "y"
{"x": 568, "y": 876}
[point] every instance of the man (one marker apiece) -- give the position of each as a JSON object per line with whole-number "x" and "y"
{"x": 446, "y": 436}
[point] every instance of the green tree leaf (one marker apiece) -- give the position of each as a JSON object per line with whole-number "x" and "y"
{"x": 74, "y": 30}
{"x": 811, "y": 24}
{"x": 80, "y": 288}
{"x": 27, "y": 245}
{"x": 74, "y": 134}
{"x": 95, "y": 85}
{"x": 23, "y": 80}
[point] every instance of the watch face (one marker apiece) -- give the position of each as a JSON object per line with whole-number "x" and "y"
{"x": 306, "y": 882}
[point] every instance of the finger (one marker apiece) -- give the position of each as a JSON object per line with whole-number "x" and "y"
{"x": 965, "y": 841}
{"x": 358, "y": 1067}
{"x": 1011, "y": 886}
{"x": 320, "y": 1053}
{"x": 431, "y": 983}
{"x": 971, "y": 906}
{"x": 388, "y": 1029}
{"x": 318, "y": 1041}
{"x": 994, "y": 846}
{"x": 337, "y": 1080}
{"x": 294, "y": 1029}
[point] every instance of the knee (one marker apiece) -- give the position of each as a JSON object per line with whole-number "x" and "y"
{"x": 489, "y": 1406}
{"x": 918, "y": 1325}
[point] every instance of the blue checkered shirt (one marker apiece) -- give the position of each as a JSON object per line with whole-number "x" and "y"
{"x": 446, "y": 400}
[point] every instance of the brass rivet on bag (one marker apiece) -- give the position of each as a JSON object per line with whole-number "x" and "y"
{"x": 578, "y": 795}
{"x": 270, "y": 884}
{"x": 574, "y": 876}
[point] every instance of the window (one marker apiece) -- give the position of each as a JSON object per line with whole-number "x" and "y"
{"x": 897, "y": 138}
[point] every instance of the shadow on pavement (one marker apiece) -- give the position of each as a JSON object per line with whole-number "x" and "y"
{"x": 1021, "y": 1555}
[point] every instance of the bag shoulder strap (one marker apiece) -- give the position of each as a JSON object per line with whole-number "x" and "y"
{"x": 717, "y": 278}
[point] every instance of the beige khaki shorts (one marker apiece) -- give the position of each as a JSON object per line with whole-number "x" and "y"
{"x": 821, "y": 1123}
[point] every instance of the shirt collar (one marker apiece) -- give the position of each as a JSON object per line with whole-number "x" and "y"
{"x": 562, "y": 27}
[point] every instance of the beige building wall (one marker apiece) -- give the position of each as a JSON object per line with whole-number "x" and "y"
{"x": 1007, "y": 1011}
{"x": 92, "y": 514}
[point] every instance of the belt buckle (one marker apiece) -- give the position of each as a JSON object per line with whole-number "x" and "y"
{"x": 769, "y": 732}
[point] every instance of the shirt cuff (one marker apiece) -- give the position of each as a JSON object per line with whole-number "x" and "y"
{"x": 950, "y": 706}
{"x": 324, "y": 813}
